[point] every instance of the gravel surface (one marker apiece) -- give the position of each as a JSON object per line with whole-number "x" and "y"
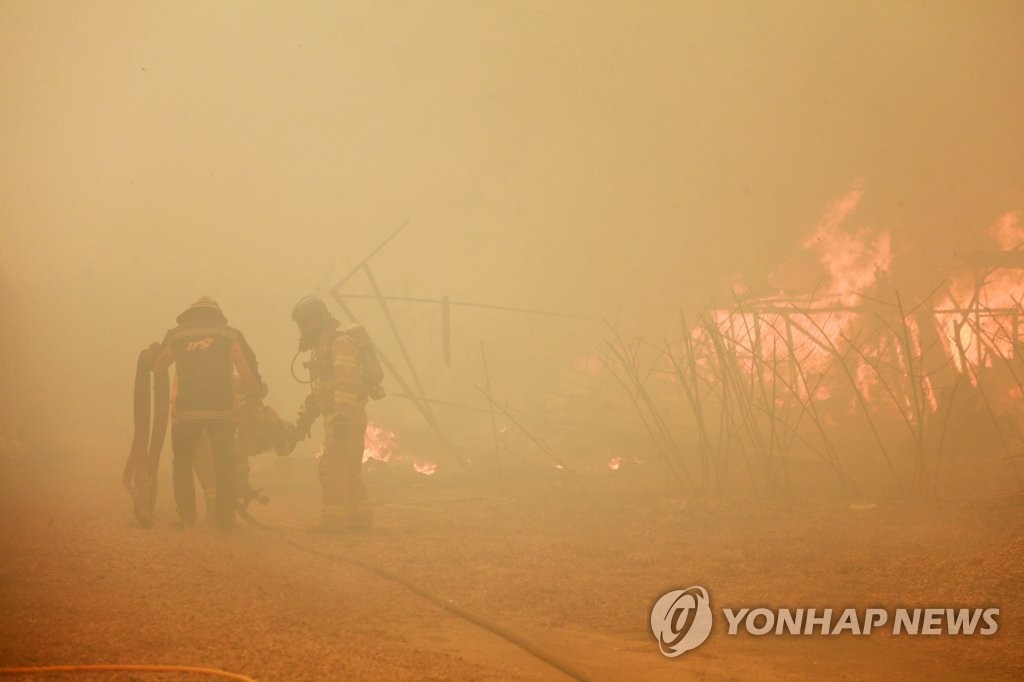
{"x": 568, "y": 574}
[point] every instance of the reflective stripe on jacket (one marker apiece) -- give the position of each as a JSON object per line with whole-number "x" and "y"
{"x": 337, "y": 372}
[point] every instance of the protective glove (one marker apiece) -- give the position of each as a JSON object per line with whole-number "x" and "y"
{"x": 285, "y": 438}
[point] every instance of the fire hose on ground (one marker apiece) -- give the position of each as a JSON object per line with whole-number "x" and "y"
{"x": 494, "y": 628}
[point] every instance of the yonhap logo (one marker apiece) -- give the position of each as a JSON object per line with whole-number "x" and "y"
{"x": 681, "y": 620}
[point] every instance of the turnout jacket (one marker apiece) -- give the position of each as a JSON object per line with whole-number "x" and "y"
{"x": 339, "y": 390}
{"x": 206, "y": 356}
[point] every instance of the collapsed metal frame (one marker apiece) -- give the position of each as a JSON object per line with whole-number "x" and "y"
{"x": 414, "y": 390}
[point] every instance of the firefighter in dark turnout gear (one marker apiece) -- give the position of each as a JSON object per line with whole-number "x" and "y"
{"x": 258, "y": 429}
{"x": 339, "y": 394}
{"x": 207, "y": 353}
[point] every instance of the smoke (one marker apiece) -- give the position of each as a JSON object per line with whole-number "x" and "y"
{"x": 602, "y": 160}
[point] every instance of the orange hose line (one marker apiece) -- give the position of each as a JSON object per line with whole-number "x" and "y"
{"x": 125, "y": 668}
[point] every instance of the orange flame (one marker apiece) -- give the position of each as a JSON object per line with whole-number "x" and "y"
{"x": 800, "y": 337}
{"x": 424, "y": 467}
{"x": 979, "y": 316}
{"x": 853, "y": 260}
{"x": 811, "y": 325}
{"x": 588, "y": 364}
{"x": 380, "y": 444}
{"x": 1008, "y": 232}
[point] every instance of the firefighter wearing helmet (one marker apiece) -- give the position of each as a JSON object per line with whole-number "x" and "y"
{"x": 206, "y": 352}
{"x": 340, "y": 388}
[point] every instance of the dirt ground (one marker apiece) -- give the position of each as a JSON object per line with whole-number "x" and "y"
{"x": 570, "y": 569}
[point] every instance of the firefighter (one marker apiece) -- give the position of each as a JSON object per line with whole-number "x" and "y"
{"x": 258, "y": 429}
{"x": 339, "y": 392}
{"x": 206, "y": 352}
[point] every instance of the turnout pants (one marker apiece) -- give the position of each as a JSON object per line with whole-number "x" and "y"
{"x": 207, "y": 475}
{"x": 185, "y": 437}
{"x": 341, "y": 475}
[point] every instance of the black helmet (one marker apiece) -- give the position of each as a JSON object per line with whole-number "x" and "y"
{"x": 313, "y": 318}
{"x": 310, "y": 309}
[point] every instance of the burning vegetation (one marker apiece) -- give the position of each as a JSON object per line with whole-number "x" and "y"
{"x": 856, "y": 373}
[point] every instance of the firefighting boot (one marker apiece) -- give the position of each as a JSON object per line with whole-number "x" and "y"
{"x": 186, "y": 522}
{"x": 210, "y": 500}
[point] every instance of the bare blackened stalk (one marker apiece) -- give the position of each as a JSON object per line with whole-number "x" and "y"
{"x": 494, "y": 422}
{"x": 635, "y": 401}
{"x": 630, "y": 364}
{"x": 731, "y": 374}
{"x": 812, "y": 411}
{"x": 916, "y": 393}
{"x": 769, "y": 402}
{"x": 968, "y": 367}
{"x": 907, "y": 418}
{"x": 783, "y": 449}
{"x": 691, "y": 389}
{"x": 862, "y": 403}
{"x": 945, "y": 427}
{"x": 540, "y": 445}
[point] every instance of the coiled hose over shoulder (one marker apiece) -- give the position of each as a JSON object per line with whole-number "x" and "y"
{"x": 151, "y": 405}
